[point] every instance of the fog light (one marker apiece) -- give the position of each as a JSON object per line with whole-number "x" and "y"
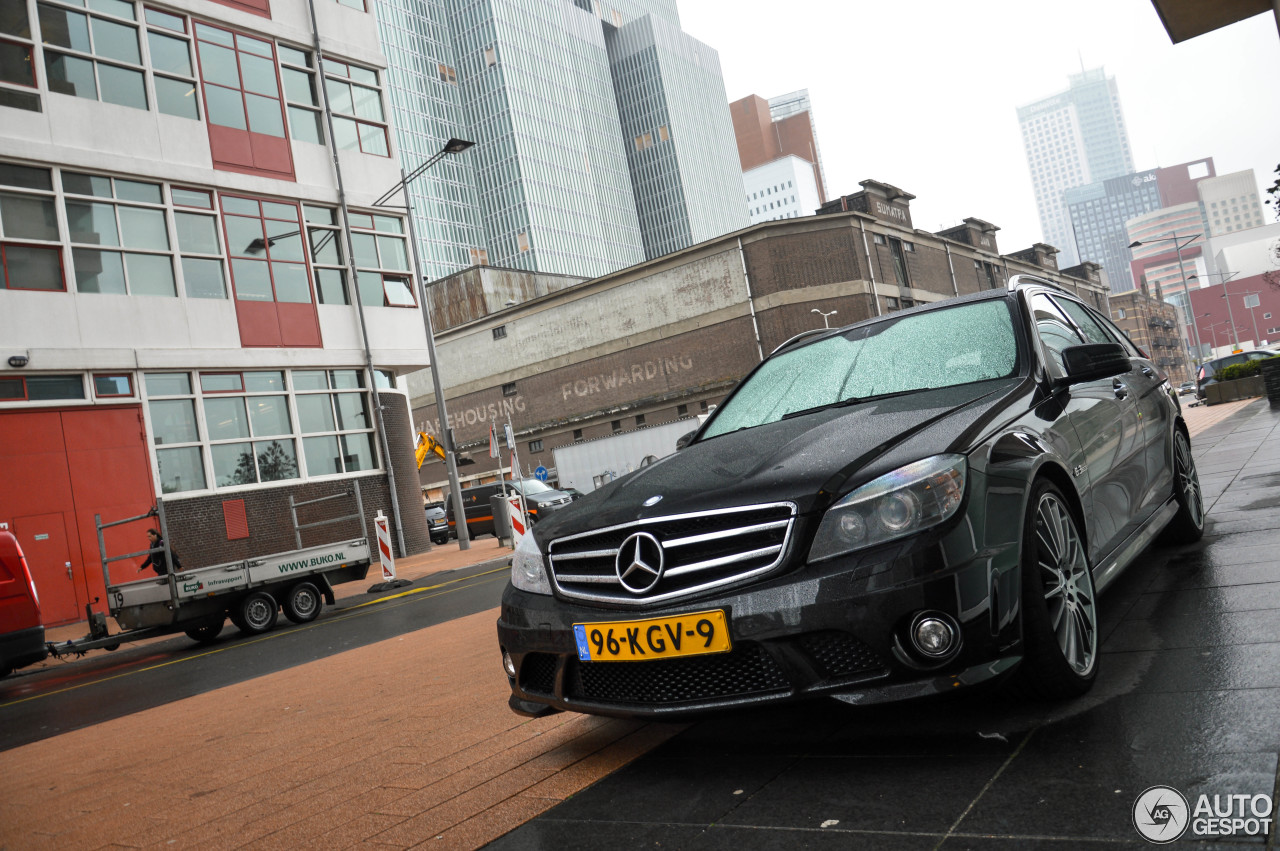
{"x": 933, "y": 637}
{"x": 508, "y": 664}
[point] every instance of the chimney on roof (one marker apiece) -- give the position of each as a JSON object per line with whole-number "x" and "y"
{"x": 974, "y": 232}
{"x": 1040, "y": 254}
{"x": 882, "y": 201}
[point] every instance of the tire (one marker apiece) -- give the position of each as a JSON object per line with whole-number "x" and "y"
{"x": 440, "y": 541}
{"x": 1187, "y": 526}
{"x": 302, "y": 603}
{"x": 205, "y": 634}
{"x": 1059, "y": 604}
{"x": 258, "y": 612}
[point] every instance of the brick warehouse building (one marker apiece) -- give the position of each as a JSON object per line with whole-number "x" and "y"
{"x": 166, "y": 332}
{"x": 1153, "y": 326}
{"x": 572, "y": 360}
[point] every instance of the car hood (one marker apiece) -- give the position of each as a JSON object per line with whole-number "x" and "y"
{"x": 809, "y": 460}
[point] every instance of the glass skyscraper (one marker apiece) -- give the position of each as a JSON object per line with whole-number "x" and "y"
{"x": 602, "y": 132}
{"x": 1073, "y": 138}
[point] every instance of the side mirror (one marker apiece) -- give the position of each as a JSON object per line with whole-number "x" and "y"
{"x": 1092, "y": 361}
{"x": 684, "y": 440}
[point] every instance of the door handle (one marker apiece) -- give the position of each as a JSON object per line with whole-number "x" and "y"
{"x": 1148, "y": 371}
{"x": 1120, "y": 390}
{"x": 69, "y": 576}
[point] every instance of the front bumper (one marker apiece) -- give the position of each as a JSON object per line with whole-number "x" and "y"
{"x": 839, "y": 629}
{"x": 21, "y": 648}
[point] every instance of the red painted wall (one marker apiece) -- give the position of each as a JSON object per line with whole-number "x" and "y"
{"x": 61, "y": 467}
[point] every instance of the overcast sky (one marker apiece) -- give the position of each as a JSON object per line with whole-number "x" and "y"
{"x": 923, "y": 93}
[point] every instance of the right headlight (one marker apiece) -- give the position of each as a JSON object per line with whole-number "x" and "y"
{"x": 528, "y": 570}
{"x": 898, "y": 504}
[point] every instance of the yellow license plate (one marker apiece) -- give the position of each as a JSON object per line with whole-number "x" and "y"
{"x": 693, "y": 634}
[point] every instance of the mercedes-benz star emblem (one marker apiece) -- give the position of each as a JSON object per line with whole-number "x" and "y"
{"x": 640, "y": 563}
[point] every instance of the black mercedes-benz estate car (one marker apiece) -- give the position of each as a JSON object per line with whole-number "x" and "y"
{"x": 924, "y": 500}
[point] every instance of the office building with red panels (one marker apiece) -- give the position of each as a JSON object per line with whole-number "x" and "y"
{"x": 201, "y": 308}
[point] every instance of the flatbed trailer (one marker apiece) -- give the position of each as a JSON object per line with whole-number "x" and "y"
{"x": 250, "y": 592}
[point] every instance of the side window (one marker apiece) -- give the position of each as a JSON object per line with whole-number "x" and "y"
{"x": 1053, "y": 328}
{"x": 1095, "y": 327}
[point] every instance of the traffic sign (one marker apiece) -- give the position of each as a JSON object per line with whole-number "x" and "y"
{"x": 540, "y": 474}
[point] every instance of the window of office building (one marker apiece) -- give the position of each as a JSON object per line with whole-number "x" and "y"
{"x": 199, "y": 245}
{"x": 327, "y": 255}
{"x": 30, "y": 242}
{"x": 269, "y": 274}
{"x": 356, "y": 102}
{"x": 94, "y": 53}
{"x": 173, "y": 75}
{"x": 119, "y": 236}
{"x": 250, "y": 432}
{"x": 333, "y": 416}
{"x": 17, "y": 59}
{"x": 219, "y": 430}
{"x": 41, "y": 388}
{"x": 382, "y": 260}
{"x": 298, "y": 74}
{"x": 243, "y": 103}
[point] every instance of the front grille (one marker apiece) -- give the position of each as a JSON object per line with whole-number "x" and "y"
{"x": 743, "y": 672}
{"x": 839, "y": 654}
{"x": 538, "y": 673}
{"x": 699, "y": 551}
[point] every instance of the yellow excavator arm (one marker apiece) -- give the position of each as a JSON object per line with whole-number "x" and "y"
{"x": 425, "y": 446}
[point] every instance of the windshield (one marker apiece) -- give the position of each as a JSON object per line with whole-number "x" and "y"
{"x": 527, "y": 487}
{"x": 922, "y": 351}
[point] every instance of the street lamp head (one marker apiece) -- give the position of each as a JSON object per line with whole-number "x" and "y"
{"x": 456, "y": 146}
{"x": 1135, "y": 243}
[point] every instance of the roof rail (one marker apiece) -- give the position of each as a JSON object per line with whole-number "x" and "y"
{"x": 797, "y": 338}
{"x": 1016, "y": 281}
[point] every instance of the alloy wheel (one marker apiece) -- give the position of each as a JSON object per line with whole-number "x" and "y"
{"x": 1068, "y": 584}
{"x": 1188, "y": 479}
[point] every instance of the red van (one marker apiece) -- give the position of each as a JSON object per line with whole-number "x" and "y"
{"x": 21, "y": 633}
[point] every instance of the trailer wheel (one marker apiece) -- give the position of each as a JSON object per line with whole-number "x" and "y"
{"x": 302, "y": 603}
{"x": 205, "y": 634}
{"x": 258, "y": 613}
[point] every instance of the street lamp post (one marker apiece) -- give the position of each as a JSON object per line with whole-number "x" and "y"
{"x": 1186, "y": 291}
{"x": 1235, "y": 338}
{"x": 824, "y": 316}
{"x": 453, "y": 146}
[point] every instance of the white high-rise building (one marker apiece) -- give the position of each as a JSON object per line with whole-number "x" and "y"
{"x": 1231, "y": 202}
{"x": 1073, "y": 138}
{"x": 782, "y": 189}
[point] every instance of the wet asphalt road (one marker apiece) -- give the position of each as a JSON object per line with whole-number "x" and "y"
{"x": 35, "y": 705}
{"x": 1188, "y": 696}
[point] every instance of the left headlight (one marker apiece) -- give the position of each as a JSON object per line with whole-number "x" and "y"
{"x": 528, "y": 571}
{"x": 897, "y": 504}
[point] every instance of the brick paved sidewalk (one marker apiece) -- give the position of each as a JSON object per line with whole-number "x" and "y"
{"x": 396, "y": 744}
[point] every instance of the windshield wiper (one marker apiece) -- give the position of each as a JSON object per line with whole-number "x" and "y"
{"x": 852, "y": 400}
